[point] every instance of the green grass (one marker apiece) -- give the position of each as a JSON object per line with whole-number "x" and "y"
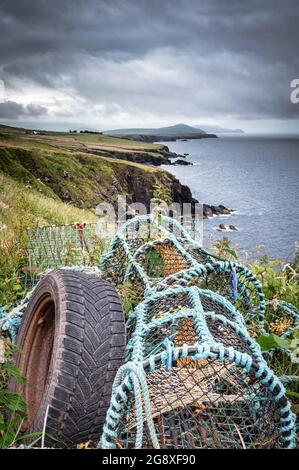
{"x": 22, "y": 208}
{"x": 83, "y": 179}
{"x": 87, "y": 138}
{"x": 42, "y": 186}
{"x": 106, "y": 139}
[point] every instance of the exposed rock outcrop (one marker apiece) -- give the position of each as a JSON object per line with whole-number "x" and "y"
{"x": 180, "y": 161}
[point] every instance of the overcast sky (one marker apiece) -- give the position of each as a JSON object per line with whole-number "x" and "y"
{"x": 122, "y": 63}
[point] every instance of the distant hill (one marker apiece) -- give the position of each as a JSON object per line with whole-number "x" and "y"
{"x": 176, "y": 130}
{"x": 218, "y": 129}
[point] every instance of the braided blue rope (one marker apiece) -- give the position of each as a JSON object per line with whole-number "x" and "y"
{"x": 233, "y": 292}
{"x": 168, "y": 347}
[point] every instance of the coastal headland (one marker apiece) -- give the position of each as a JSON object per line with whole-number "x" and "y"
{"x": 82, "y": 169}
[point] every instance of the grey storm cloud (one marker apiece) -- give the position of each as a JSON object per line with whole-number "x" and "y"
{"x": 13, "y": 110}
{"x": 197, "y": 58}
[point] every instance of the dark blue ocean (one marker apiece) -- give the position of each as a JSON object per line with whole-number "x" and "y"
{"x": 255, "y": 176}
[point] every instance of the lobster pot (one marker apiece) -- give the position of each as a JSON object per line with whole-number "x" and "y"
{"x": 281, "y": 318}
{"x": 52, "y": 247}
{"x": 215, "y": 275}
{"x": 193, "y": 377}
{"x": 204, "y": 403}
{"x": 186, "y": 316}
{"x": 146, "y": 255}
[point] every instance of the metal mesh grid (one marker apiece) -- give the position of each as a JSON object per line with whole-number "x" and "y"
{"x": 52, "y": 247}
{"x": 210, "y": 407}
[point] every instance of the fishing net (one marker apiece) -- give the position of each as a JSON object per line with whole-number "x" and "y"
{"x": 193, "y": 376}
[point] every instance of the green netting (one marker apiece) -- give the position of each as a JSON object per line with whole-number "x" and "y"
{"x": 52, "y": 247}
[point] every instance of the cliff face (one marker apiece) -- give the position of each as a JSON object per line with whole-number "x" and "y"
{"x": 85, "y": 180}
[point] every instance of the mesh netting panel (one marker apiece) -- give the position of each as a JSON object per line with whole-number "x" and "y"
{"x": 115, "y": 268}
{"x": 225, "y": 334}
{"x": 173, "y": 261}
{"x": 180, "y": 331}
{"x": 52, "y": 247}
{"x": 206, "y": 407}
{"x": 200, "y": 255}
{"x": 213, "y": 305}
{"x": 158, "y": 309}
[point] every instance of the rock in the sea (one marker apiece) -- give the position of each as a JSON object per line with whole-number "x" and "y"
{"x": 181, "y": 162}
{"x": 223, "y": 209}
{"x": 210, "y": 211}
{"x": 232, "y": 227}
{"x": 207, "y": 211}
{"x": 222, "y": 227}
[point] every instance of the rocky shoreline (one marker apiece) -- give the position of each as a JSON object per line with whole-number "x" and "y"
{"x": 180, "y": 193}
{"x": 146, "y": 157}
{"x": 83, "y": 175}
{"x": 211, "y": 210}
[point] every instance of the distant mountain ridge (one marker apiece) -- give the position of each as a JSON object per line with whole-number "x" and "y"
{"x": 176, "y": 130}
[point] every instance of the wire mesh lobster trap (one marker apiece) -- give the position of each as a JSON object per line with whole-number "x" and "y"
{"x": 193, "y": 377}
{"x": 165, "y": 255}
{"x": 55, "y": 246}
{"x": 200, "y": 403}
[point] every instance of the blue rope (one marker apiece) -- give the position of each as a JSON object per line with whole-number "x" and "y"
{"x": 168, "y": 346}
{"x": 234, "y": 281}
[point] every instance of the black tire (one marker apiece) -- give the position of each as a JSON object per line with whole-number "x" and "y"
{"x": 72, "y": 339}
